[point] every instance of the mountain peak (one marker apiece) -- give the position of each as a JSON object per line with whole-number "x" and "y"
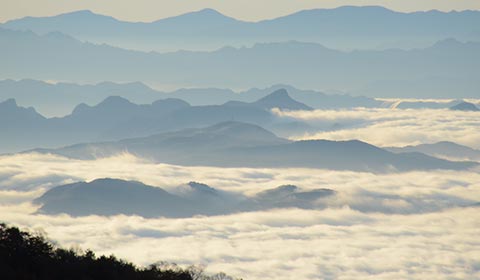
{"x": 201, "y": 187}
{"x": 209, "y": 11}
{"x": 204, "y": 15}
{"x": 465, "y": 106}
{"x": 279, "y": 93}
{"x": 80, "y": 12}
{"x": 277, "y": 192}
{"x": 233, "y": 128}
{"x": 282, "y": 100}
{"x": 84, "y": 14}
{"x": 114, "y": 101}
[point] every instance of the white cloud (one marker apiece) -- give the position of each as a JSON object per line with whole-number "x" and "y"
{"x": 387, "y": 226}
{"x": 392, "y": 127}
{"x": 340, "y": 243}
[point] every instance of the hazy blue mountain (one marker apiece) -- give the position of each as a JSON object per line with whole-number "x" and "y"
{"x": 316, "y": 99}
{"x": 420, "y": 104}
{"x": 113, "y": 117}
{"x": 234, "y": 144}
{"x": 59, "y": 99}
{"x": 184, "y": 146}
{"x": 337, "y": 155}
{"x": 305, "y": 65}
{"x": 280, "y": 99}
{"x": 211, "y": 201}
{"x": 18, "y": 125}
{"x": 117, "y": 118}
{"x": 277, "y": 99}
{"x": 444, "y": 149}
{"x": 114, "y": 197}
{"x": 465, "y": 106}
{"x": 343, "y": 27}
{"x": 290, "y": 196}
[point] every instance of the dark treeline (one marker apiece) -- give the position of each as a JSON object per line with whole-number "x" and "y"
{"x": 26, "y": 256}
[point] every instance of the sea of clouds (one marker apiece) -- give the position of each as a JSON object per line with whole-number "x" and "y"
{"x": 413, "y": 225}
{"x": 391, "y": 127}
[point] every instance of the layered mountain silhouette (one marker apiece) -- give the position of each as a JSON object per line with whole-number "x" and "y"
{"x": 307, "y": 65}
{"x": 444, "y": 149}
{"x": 18, "y": 125}
{"x": 113, "y": 197}
{"x": 234, "y": 144}
{"x": 117, "y": 118}
{"x": 361, "y": 27}
{"x": 59, "y": 99}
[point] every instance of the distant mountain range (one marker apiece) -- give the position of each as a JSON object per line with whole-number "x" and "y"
{"x": 55, "y": 56}
{"x": 444, "y": 149}
{"x": 234, "y": 144}
{"x": 216, "y": 135}
{"x": 457, "y": 104}
{"x": 59, "y": 99}
{"x": 344, "y": 27}
{"x": 117, "y": 118}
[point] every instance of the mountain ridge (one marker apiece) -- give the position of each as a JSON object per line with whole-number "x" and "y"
{"x": 108, "y": 197}
{"x": 382, "y": 25}
{"x": 203, "y": 147}
{"x": 312, "y": 66}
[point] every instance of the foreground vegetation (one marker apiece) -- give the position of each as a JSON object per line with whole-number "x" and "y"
{"x": 30, "y": 256}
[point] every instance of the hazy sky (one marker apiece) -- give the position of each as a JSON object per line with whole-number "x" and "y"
{"x": 149, "y": 10}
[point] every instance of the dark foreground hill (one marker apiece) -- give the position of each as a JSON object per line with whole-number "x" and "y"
{"x": 26, "y": 256}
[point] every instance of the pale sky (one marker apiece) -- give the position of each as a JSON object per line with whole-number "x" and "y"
{"x": 250, "y": 10}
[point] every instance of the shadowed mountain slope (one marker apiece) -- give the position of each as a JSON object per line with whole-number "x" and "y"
{"x": 234, "y": 144}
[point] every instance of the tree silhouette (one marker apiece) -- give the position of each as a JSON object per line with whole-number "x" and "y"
{"x": 24, "y": 256}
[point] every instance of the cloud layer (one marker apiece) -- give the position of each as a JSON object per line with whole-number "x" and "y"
{"x": 391, "y": 127}
{"x": 412, "y": 225}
